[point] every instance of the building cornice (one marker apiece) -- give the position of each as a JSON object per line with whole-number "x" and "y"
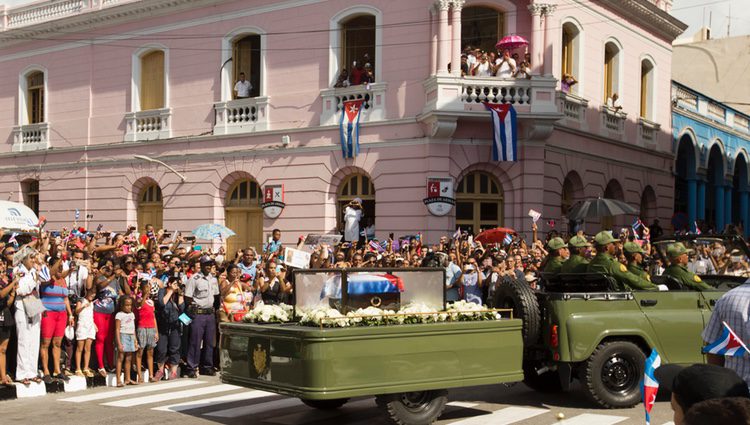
{"x": 710, "y": 123}
{"x": 649, "y": 16}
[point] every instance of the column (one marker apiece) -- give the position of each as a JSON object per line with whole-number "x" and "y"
{"x": 728, "y": 203}
{"x": 444, "y": 42}
{"x": 744, "y": 204}
{"x": 536, "y": 49}
{"x": 719, "y": 205}
{"x": 433, "y": 40}
{"x": 692, "y": 195}
{"x": 701, "y": 204}
{"x": 548, "y": 38}
{"x": 456, "y": 38}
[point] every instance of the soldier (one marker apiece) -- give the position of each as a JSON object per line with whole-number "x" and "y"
{"x": 558, "y": 253}
{"x": 577, "y": 263}
{"x": 634, "y": 254}
{"x": 605, "y": 263}
{"x": 201, "y": 294}
{"x": 678, "y": 260}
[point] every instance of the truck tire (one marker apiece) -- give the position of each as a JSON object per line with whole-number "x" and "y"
{"x": 325, "y": 404}
{"x": 516, "y": 294}
{"x": 547, "y": 382}
{"x": 415, "y": 408}
{"x": 612, "y": 374}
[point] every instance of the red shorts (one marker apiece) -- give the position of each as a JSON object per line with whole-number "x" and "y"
{"x": 53, "y": 324}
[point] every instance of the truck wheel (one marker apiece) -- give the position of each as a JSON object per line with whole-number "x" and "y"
{"x": 325, "y": 404}
{"x": 547, "y": 382}
{"x": 415, "y": 408}
{"x": 518, "y": 296}
{"x": 613, "y": 373}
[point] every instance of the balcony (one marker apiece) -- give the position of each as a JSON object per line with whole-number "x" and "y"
{"x": 647, "y": 131}
{"x": 241, "y": 116}
{"x": 334, "y": 98}
{"x": 449, "y": 98}
{"x": 31, "y": 137}
{"x": 148, "y": 125}
{"x": 573, "y": 108}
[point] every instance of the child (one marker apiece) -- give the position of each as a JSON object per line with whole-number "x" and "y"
{"x": 147, "y": 335}
{"x": 125, "y": 338}
{"x": 85, "y": 332}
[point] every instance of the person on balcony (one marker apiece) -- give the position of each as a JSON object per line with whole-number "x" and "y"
{"x": 567, "y": 82}
{"x": 483, "y": 68}
{"x": 358, "y": 75}
{"x": 506, "y": 66}
{"x": 523, "y": 71}
{"x": 242, "y": 87}
{"x": 343, "y": 79}
{"x": 613, "y": 102}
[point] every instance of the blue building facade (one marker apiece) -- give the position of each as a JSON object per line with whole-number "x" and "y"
{"x": 711, "y": 145}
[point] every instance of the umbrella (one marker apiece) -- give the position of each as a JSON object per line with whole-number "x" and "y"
{"x": 511, "y": 42}
{"x": 211, "y": 231}
{"x": 600, "y": 207}
{"x": 496, "y": 235}
{"x": 15, "y": 216}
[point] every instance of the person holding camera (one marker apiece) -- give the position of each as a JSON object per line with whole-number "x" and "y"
{"x": 201, "y": 295}
{"x": 271, "y": 283}
{"x": 170, "y": 304}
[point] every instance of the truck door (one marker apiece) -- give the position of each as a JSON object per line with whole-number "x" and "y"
{"x": 676, "y": 318}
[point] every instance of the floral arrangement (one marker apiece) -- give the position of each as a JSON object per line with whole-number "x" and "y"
{"x": 269, "y": 313}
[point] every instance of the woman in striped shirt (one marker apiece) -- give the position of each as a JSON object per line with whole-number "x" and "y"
{"x": 53, "y": 291}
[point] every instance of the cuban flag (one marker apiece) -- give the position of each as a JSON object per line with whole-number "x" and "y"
{"x": 77, "y": 214}
{"x": 650, "y": 384}
{"x": 728, "y": 344}
{"x": 504, "y": 131}
{"x": 375, "y": 246}
{"x": 363, "y": 283}
{"x": 457, "y": 233}
{"x": 508, "y": 239}
{"x": 13, "y": 239}
{"x": 697, "y": 229}
{"x": 44, "y": 274}
{"x": 349, "y": 127}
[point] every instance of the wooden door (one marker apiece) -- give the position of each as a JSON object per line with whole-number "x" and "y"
{"x": 248, "y": 226}
{"x": 150, "y": 214}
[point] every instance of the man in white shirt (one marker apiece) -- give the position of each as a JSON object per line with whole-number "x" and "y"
{"x": 76, "y": 278}
{"x": 242, "y": 87}
{"x": 506, "y": 66}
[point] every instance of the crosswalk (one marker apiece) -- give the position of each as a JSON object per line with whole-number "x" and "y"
{"x": 220, "y": 402}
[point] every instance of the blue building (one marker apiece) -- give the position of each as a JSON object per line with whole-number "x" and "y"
{"x": 711, "y": 145}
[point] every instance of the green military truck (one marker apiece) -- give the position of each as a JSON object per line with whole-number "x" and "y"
{"x": 581, "y": 326}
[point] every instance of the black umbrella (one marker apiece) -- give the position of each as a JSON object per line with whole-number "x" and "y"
{"x": 600, "y": 207}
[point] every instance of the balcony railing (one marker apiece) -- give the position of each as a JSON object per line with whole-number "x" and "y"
{"x": 37, "y": 13}
{"x": 241, "y": 115}
{"x": 572, "y": 107}
{"x": 648, "y": 130}
{"x": 613, "y": 122}
{"x": 148, "y": 125}
{"x": 31, "y": 137}
{"x": 373, "y": 96}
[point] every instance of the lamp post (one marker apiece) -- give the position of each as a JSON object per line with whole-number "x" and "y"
{"x": 156, "y": 161}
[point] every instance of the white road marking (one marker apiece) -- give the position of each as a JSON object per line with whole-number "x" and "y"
{"x": 669, "y": 423}
{"x": 593, "y": 419}
{"x": 156, "y": 398}
{"x": 255, "y": 408}
{"x": 141, "y": 389}
{"x": 315, "y": 415}
{"x": 464, "y": 404}
{"x": 506, "y": 416}
{"x": 197, "y": 404}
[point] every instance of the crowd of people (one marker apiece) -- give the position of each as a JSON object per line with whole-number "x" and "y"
{"x": 479, "y": 63}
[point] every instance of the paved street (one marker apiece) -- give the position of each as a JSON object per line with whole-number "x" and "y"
{"x": 207, "y": 401}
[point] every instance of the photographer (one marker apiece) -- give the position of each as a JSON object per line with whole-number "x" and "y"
{"x": 271, "y": 283}
{"x": 170, "y": 304}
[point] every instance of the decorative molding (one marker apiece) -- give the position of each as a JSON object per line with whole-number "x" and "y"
{"x": 649, "y": 15}
{"x": 535, "y": 9}
{"x": 443, "y": 4}
{"x": 458, "y": 5}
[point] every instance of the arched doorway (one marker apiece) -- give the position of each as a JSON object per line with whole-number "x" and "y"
{"x": 739, "y": 192}
{"x": 613, "y": 191}
{"x": 684, "y": 171}
{"x": 150, "y": 207}
{"x": 715, "y": 190}
{"x": 479, "y": 202}
{"x": 242, "y": 214}
{"x": 648, "y": 205}
{"x": 356, "y": 186}
{"x": 572, "y": 193}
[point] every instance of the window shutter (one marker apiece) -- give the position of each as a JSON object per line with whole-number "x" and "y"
{"x": 152, "y": 81}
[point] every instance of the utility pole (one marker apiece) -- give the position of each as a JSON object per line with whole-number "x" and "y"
{"x": 729, "y": 20}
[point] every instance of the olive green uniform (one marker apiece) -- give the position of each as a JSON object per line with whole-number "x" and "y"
{"x": 605, "y": 264}
{"x": 687, "y": 278}
{"x": 638, "y": 271}
{"x": 575, "y": 264}
{"x": 553, "y": 265}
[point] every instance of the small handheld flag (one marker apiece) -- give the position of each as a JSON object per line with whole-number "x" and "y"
{"x": 375, "y": 246}
{"x": 457, "y": 233}
{"x": 504, "y": 132}
{"x": 508, "y": 239}
{"x": 650, "y": 384}
{"x": 728, "y": 344}
{"x": 351, "y": 111}
{"x": 77, "y": 214}
{"x": 697, "y": 229}
{"x": 13, "y": 240}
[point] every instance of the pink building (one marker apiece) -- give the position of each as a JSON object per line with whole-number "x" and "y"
{"x": 93, "y": 91}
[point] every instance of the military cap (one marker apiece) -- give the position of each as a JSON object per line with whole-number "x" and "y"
{"x": 676, "y": 249}
{"x": 556, "y": 243}
{"x": 604, "y": 237}
{"x": 578, "y": 242}
{"x": 632, "y": 248}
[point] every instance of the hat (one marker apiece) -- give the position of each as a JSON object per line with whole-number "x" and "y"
{"x": 578, "y": 242}
{"x": 604, "y": 237}
{"x": 700, "y": 382}
{"x": 530, "y": 277}
{"x": 206, "y": 259}
{"x": 468, "y": 267}
{"x": 632, "y": 248}
{"x": 556, "y": 243}
{"x": 676, "y": 249}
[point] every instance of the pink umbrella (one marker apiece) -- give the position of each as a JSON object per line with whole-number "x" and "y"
{"x": 511, "y": 42}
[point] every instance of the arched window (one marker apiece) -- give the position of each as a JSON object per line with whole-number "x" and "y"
{"x": 648, "y": 205}
{"x": 571, "y": 36}
{"x": 479, "y": 202}
{"x": 152, "y": 87}
{"x": 611, "y": 70}
{"x": 357, "y": 186}
{"x": 612, "y": 191}
{"x": 481, "y": 27}
{"x": 35, "y": 97}
{"x": 30, "y": 189}
{"x": 244, "y": 216}
{"x": 246, "y": 53}
{"x": 358, "y": 42}
{"x": 150, "y": 207}
{"x": 647, "y": 89}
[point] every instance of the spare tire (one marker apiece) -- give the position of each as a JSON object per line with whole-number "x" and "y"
{"x": 516, "y": 294}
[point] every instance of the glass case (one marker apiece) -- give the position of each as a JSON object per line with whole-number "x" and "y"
{"x": 350, "y": 289}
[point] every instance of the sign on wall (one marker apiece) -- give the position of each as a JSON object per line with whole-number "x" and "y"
{"x": 440, "y": 198}
{"x": 273, "y": 200}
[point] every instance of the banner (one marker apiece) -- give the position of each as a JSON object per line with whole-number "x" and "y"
{"x": 504, "y": 131}
{"x": 296, "y": 258}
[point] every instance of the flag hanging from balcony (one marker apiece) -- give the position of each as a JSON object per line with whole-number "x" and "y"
{"x": 504, "y": 131}
{"x": 349, "y": 127}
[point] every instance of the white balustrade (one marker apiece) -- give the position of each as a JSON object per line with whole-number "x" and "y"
{"x": 31, "y": 137}
{"x": 741, "y": 122}
{"x": 241, "y": 115}
{"x": 494, "y": 90}
{"x": 37, "y": 13}
{"x": 613, "y": 121}
{"x": 648, "y": 130}
{"x": 572, "y": 107}
{"x": 373, "y": 96}
{"x": 716, "y": 111}
{"x": 148, "y": 125}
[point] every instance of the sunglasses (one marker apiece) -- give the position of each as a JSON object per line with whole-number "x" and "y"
{"x": 10, "y": 253}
